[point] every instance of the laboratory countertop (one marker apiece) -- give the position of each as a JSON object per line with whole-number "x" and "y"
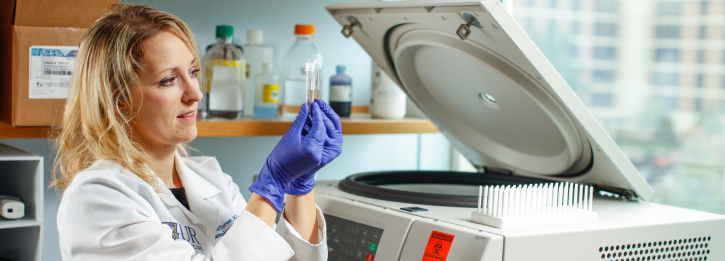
{"x": 357, "y": 123}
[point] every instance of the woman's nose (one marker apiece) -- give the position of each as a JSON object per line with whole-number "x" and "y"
{"x": 192, "y": 92}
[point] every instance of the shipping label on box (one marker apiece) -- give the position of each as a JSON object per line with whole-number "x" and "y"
{"x": 51, "y": 69}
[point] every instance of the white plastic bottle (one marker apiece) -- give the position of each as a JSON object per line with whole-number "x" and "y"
{"x": 303, "y": 51}
{"x": 266, "y": 101}
{"x": 387, "y": 100}
{"x": 256, "y": 54}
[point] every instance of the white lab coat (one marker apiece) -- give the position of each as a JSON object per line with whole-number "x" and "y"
{"x": 108, "y": 213}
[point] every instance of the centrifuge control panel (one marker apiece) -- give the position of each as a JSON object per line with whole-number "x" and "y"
{"x": 351, "y": 241}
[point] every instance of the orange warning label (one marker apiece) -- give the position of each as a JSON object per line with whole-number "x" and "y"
{"x": 438, "y": 246}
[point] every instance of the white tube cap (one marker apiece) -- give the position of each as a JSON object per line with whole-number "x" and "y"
{"x": 255, "y": 36}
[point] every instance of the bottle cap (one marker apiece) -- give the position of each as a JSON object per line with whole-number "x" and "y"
{"x": 340, "y": 69}
{"x": 224, "y": 31}
{"x": 305, "y": 29}
{"x": 255, "y": 36}
{"x": 267, "y": 67}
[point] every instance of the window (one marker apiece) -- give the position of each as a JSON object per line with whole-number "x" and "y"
{"x": 703, "y": 32}
{"x": 576, "y": 5}
{"x": 666, "y": 79}
{"x": 574, "y": 51}
{"x": 669, "y": 8}
{"x": 604, "y": 53}
{"x": 552, "y": 4}
{"x": 665, "y": 85}
{"x": 603, "y": 76}
{"x": 697, "y": 104}
{"x": 667, "y": 55}
{"x": 703, "y": 7}
{"x": 604, "y": 29}
{"x": 530, "y": 2}
{"x": 667, "y": 102}
{"x": 667, "y": 31}
{"x": 607, "y": 6}
{"x": 602, "y": 100}
{"x": 700, "y": 81}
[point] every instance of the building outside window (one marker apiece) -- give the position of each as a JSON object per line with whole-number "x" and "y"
{"x": 667, "y": 55}
{"x": 700, "y": 81}
{"x": 602, "y": 100}
{"x": 667, "y": 31}
{"x": 603, "y": 76}
{"x": 703, "y": 7}
{"x": 669, "y": 8}
{"x": 576, "y": 5}
{"x": 642, "y": 81}
{"x": 665, "y": 79}
{"x": 607, "y": 6}
{"x": 605, "y": 29}
{"x": 604, "y": 53}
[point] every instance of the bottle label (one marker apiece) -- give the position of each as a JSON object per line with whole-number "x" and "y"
{"x": 340, "y": 93}
{"x": 226, "y": 85}
{"x": 270, "y": 93}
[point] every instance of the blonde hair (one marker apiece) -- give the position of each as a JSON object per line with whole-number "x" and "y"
{"x": 107, "y": 70}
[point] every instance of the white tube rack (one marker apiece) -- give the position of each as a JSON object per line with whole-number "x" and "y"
{"x": 534, "y": 205}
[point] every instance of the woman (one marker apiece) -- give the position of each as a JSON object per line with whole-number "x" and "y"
{"x": 130, "y": 192}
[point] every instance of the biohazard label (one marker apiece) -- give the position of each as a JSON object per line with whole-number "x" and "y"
{"x": 438, "y": 246}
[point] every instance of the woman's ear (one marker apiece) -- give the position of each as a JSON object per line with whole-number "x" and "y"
{"x": 121, "y": 109}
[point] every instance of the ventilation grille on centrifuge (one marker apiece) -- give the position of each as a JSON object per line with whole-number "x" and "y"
{"x": 686, "y": 249}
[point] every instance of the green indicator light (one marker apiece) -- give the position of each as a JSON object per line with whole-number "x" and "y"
{"x": 373, "y": 247}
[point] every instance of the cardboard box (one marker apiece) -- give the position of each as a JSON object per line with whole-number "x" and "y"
{"x": 27, "y": 23}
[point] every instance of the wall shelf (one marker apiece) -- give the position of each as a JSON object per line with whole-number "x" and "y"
{"x": 22, "y": 178}
{"x": 357, "y": 123}
{"x": 24, "y": 222}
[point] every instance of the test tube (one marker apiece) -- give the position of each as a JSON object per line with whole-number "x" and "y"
{"x": 312, "y": 86}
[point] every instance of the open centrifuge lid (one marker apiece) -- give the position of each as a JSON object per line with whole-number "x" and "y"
{"x": 486, "y": 86}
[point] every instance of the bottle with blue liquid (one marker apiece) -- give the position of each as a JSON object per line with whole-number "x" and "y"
{"x": 266, "y": 102}
{"x": 341, "y": 92}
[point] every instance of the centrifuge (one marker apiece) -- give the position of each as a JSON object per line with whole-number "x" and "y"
{"x": 486, "y": 86}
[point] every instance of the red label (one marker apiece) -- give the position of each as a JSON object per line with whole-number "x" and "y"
{"x": 438, "y": 246}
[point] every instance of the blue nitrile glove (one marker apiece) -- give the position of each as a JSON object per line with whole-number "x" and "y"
{"x": 333, "y": 148}
{"x": 294, "y": 155}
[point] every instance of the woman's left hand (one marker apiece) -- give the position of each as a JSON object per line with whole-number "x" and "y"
{"x": 332, "y": 148}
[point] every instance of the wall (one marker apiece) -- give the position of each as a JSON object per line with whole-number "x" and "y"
{"x": 242, "y": 157}
{"x": 277, "y": 18}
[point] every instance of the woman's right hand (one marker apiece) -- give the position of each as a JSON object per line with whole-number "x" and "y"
{"x": 332, "y": 149}
{"x": 295, "y": 155}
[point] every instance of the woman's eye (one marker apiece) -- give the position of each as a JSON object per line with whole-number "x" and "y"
{"x": 194, "y": 73}
{"x": 168, "y": 81}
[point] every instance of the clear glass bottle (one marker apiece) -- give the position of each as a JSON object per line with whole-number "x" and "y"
{"x": 341, "y": 92}
{"x": 266, "y": 101}
{"x": 256, "y": 54}
{"x": 224, "y": 72}
{"x": 294, "y": 75}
